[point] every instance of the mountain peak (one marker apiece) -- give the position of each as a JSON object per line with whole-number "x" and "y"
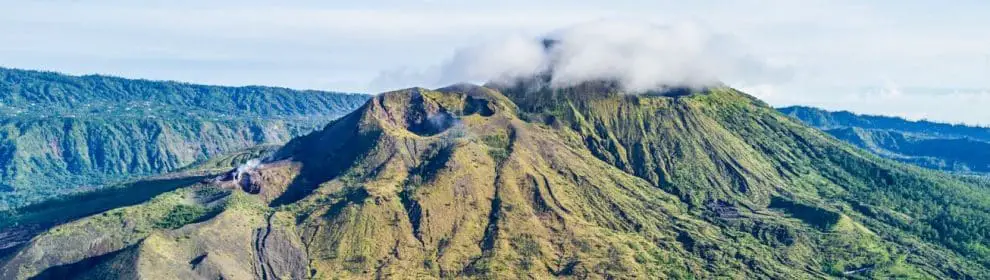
{"x": 475, "y": 182}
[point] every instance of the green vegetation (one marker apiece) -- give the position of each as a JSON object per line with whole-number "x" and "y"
{"x": 62, "y": 134}
{"x": 46, "y": 94}
{"x": 577, "y": 183}
{"x": 73, "y": 206}
{"x": 498, "y": 146}
{"x": 957, "y": 148}
{"x": 181, "y": 215}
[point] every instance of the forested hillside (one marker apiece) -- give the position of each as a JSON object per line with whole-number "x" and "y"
{"x": 61, "y": 133}
{"x": 949, "y": 147}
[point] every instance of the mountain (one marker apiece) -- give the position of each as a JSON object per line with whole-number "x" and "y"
{"x": 524, "y": 181}
{"x": 62, "y": 134}
{"x": 928, "y": 144}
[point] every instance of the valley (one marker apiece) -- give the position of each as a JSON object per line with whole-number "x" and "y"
{"x": 62, "y": 134}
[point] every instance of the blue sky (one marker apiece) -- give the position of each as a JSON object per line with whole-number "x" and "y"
{"x": 917, "y": 59}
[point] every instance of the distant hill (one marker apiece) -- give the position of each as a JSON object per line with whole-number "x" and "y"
{"x": 949, "y": 147}
{"x": 61, "y": 133}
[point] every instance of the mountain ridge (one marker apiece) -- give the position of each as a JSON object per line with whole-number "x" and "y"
{"x": 476, "y": 182}
{"x": 822, "y": 118}
{"x": 954, "y": 147}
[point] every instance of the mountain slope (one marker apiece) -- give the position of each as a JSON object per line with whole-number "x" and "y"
{"x": 927, "y": 144}
{"x": 519, "y": 182}
{"x": 61, "y": 134}
{"x": 48, "y": 93}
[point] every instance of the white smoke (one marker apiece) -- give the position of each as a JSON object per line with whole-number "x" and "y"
{"x": 640, "y": 56}
{"x": 248, "y": 166}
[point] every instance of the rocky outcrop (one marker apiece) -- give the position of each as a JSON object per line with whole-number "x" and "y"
{"x": 268, "y": 180}
{"x": 280, "y": 254}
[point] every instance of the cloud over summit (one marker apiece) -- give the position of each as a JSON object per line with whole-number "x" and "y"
{"x": 640, "y": 56}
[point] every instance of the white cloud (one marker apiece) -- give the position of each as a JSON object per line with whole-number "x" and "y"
{"x": 506, "y": 59}
{"x": 830, "y": 48}
{"x": 641, "y": 56}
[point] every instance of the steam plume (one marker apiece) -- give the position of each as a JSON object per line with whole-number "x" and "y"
{"x": 248, "y": 166}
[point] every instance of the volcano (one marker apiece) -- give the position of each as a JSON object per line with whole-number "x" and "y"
{"x": 522, "y": 181}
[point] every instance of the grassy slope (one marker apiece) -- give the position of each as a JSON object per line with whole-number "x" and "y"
{"x": 727, "y": 146}
{"x": 466, "y": 182}
{"x": 21, "y": 224}
{"x": 73, "y": 206}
